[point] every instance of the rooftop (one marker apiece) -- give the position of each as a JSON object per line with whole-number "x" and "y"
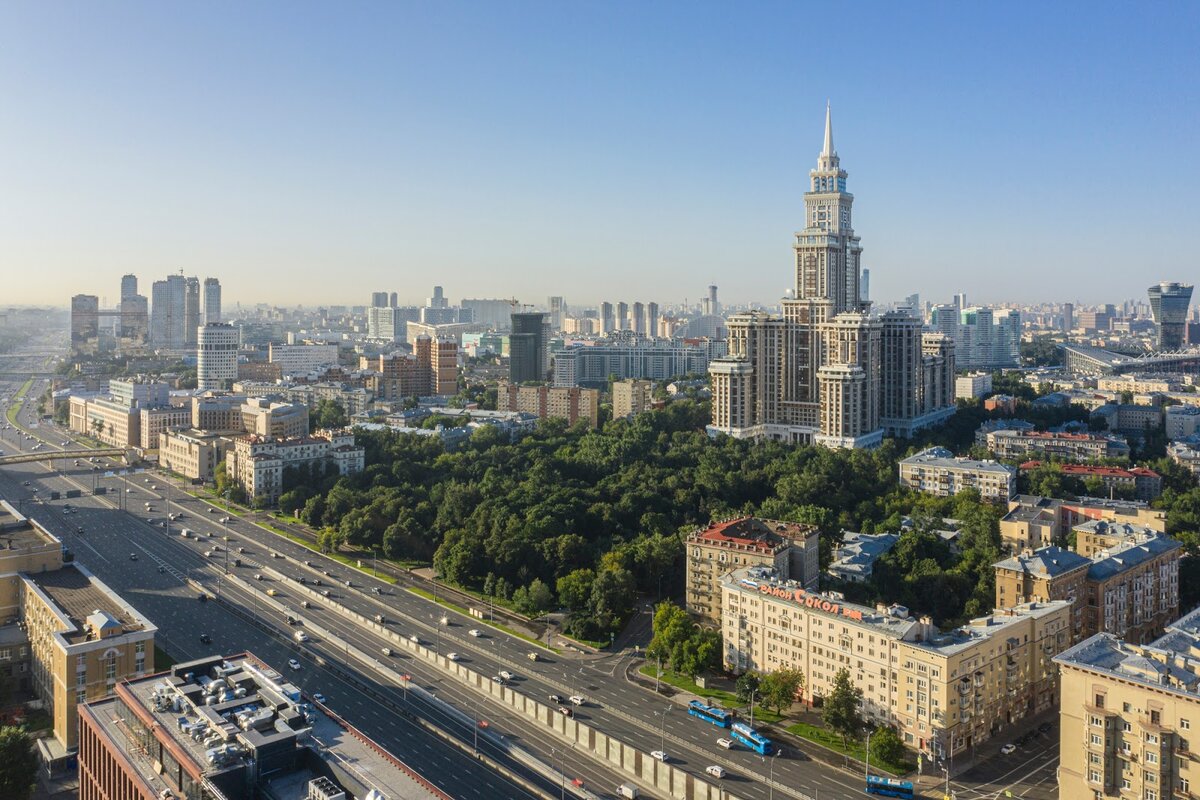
{"x": 858, "y": 552}
{"x": 766, "y": 536}
{"x": 238, "y": 721}
{"x": 1127, "y": 556}
{"x": 1170, "y": 663}
{"x": 18, "y": 532}
{"x": 85, "y": 602}
{"x": 1045, "y": 562}
{"x": 941, "y": 457}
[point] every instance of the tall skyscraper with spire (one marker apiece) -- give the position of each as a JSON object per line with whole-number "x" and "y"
{"x": 827, "y": 371}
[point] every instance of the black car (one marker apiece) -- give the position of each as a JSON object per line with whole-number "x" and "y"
{"x": 202, "y": 597}
{"x": 1045, "y": 727}
{"x": 205, "y": 639}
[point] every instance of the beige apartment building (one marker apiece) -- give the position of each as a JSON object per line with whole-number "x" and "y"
{"x": 937, "y": 471}
{"x": 264, "y": 417}
{"x": 1127, "y": 714}
{"x": 191, "y": 453}
{"x": 1034, "y": 522}
{"x": 1096, "y": 535}
{"x": 943, "y": 691}
{"x": 154, "y": 421}
{"x": 632, "y": 396}
{"x": 257, "y": 463}
{"x": 789, "y": 548}
{"x": 1129, "y": 590}
{"x": 108, "y": 421}
{"x": 80, "y": 636}
{"x": 571, "y": 403}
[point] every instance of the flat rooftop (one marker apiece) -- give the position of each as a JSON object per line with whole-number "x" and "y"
{"x": 941, "y": 457}
{"x": 77, "y": 595}
{"x": 232, "y": 717}
{"x": 1170, "y": 663}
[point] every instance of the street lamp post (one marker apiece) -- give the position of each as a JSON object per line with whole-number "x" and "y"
{"x": 867, "y": 768}
{"x": 374, "y": 560}
{"x": 771, "y": 776}
{"x": 662, "y": 730}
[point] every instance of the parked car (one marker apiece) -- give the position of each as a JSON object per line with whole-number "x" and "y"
{"x": 1008, "y": 748}
{"x": 1045, "y": 727}
{"x": 133, "y": 556}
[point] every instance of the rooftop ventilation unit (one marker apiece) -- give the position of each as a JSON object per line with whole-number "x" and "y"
{"x": 324, "y": 789}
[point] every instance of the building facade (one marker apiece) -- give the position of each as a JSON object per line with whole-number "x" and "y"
{"x": 1169, "y": 306}
{"x": 570, "y": 403}
{"x": 826, "y": 371}
{"x": 256, "y": 463}
{"x": 789, "y": 548}
{"x": 631, "y": 397}
{"x": 217, "y": 356}
{"x": 943, "y": 692}
{"x": 1065, "y": 446}
{"x": 937, "y": 471}
{"x": 302, "y": 358}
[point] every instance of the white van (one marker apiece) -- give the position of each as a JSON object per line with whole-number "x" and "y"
{"x": 726, "y": 743}
{"x": 577, "y": 700}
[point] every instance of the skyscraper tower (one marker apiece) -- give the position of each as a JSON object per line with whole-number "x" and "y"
{"x": 528, "y": 347}
{"x": 607, "y": 324}
{"x": 191, "y": 311}
{"x": 622, "y": 316}
{"x": 379, "y": 299}
{"x": 128, "y": 286}
{"x": 167, "y": 313}
{"x": 1169, "y": 306}
{"x": 826, "y": 371}
{"x": 212, "y": 300}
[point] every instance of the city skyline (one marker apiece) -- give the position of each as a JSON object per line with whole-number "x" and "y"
{"x": 570, "y": 151}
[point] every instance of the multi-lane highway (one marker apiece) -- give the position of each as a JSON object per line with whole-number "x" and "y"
{"x": 615, "y": 706}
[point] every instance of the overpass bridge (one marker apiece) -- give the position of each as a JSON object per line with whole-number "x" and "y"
{"x": 130, "y": 456}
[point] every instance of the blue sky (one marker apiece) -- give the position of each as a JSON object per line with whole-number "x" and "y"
{"x": 314, "y": 152}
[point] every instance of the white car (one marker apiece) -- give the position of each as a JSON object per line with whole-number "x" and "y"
{"x": 452, "y": 656}
{"x": 659, "y": 755}
{"x": 1008, "y": 748}
{"x": 293, "y": 663}
{"x": 475, "y": 632}
{"x": 726, "y": 743}
{"x": 508, "y": 676}
{"x": 577, "y": 700}
{"x": 320, "y": 698}
{"x": 715, "y": 770}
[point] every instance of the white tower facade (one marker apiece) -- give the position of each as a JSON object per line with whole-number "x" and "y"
{"x": 216, "y": 356}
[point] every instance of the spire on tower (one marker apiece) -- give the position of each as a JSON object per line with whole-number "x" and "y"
{"x": 828, "y": 151}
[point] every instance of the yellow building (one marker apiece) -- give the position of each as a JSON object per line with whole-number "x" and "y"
{"x": 790, "y": 548}
{"x": 79, "y": 635}
{"x": 631, "y": 396}
{"x": 1127, "y": 715}
{"x": 1049, "y": 573}
{"x": 943, "y": 691}
{"x": 106, "y": 420}
{"x": 1036, "y": 522}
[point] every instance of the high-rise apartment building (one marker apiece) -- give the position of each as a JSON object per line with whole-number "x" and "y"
{"x": 167, "y": 313}
{"x": 817, "y": 373}
{"x": 607, "y": 320}
{"x": 864, "y": 285}
{"x": 212, "y": 300}
{"x": 631, "y": 397}
{"x": 379, "y": 299}
{"x": 528, "y": 348}
{"x": 128, "y": 286}
{"x": 217, "y": 356}
{"x": 652, "y": 319}
{"x": 622, "y": 320}
{"x": 85, "y": 319}
{"x": 1169, "y": 306}
{"x": 1068, "y": 317}
{"x": 191, "y": 312}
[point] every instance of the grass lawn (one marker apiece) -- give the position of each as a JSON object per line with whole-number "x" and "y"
{"x": 15, "y": 406}
{"x": 856, "y": 750}
{"x": 725, "y": 699}
{"x": 491, "y": 624}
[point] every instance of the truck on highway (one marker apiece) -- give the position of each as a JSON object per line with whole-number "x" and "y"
{"x": 629, "y": 791}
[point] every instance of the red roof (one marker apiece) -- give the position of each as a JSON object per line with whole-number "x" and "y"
{"x": 1110, "y": 472}
{"x": 739, "y": 532}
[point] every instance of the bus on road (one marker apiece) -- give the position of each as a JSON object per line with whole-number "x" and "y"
{"x": 752, "y": 738}
{"x": 717, "y": 716}
{"x": 889, "y": 787}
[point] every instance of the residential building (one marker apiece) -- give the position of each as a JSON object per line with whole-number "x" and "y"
{"x": 191, "y": 312}
{"x": 106, "y": 420}
{"x": 1098, "y": 535}
{"x": 139, "y": 392}
{"x": 296, "y": 359}
{"x": 1004, "y": 403}
{"x": 212, "y": 301}
{"x": 259, "y": 371}
{"x": 1008, "y": 444}
{"x": 788, "y": 548}
{"x": 263, "y": 416}
{"x": 943, "y": 692}
{"x": 1169, "y": 306}
{"x": 153, "y": 422}
{"x": 256, "y": 463}
{"x": 167, "y": 313}
{"x": 937, "y": 471}
{"x": 529, "y": 353}
{"x": 571, "y": 403}
{"x": 217, "y": 356}
{"x": 218, "y": 412}
{"x": 631, "y": 397}
{"x": 1186, "y": 455}
{"x": 854, "y": 559}
{"x": 1035, "y": 522}
{"x": 1136, "y": 483}
{"x": 85, "y": 320}
{"x": 972, "y": 385}
{"x": 631, "y": 356}
{"x": 1129, "y": 418}
{"x": 817, "y": 373}
{"x": 231, "y": 727}
{"x": 493, "y": 314}
{"x": 990, "y": 425}
{"x": 1047, "y": 573}
{"x": 192, "y": 453}
{"x": 987, "y": 337}
{"x": 1182, "y": 421}
{"x": 432, "y": 369}
{"x": 1125, "y": 724}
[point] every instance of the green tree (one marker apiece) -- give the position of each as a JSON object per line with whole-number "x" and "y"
{"x": 747, "y": 686}
{"x": 840, "y": 709}
{"x": 887, "y": 747}
{"x": 779, "y": 688}
{"x": 18, "y": 763}
{"x": 330, "y": 414}
{"x": 671, "y": 628}
{"x": 575, "y": 589}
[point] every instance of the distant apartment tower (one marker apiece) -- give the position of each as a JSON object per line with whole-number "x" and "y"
{"x": 379, "y": 299}
{"x": 393, "y": 299}
{"x": 191, "y": 311}
{"x": 1169, "y": 306}
{"x": 631, "y": 397}
{"x": 216, "y": 356}
{"x": 622, "y": 316}
{"x": 558, "y": 310}
{"x": 710, "y": 306}
{"x": 571, "y": 403}
{"x": 212, "y": 300}
{"x": 492, "y": 313}
{"x": 652, "y": 319}
{"x": 85, "y": 319}
{"x": 128, "y": 286}
{"x": 864, "y": 286}
{"x": 167, "y": 313}
{"x": 1068, "y": 317}
{"x": 607, "y": 321}
{"x": 528, "y": 348}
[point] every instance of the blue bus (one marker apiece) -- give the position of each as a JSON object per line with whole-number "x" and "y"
{"x": 889, "y": 787}
{"x": 717, "y": 716}
{"x": 752, "y": 738}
